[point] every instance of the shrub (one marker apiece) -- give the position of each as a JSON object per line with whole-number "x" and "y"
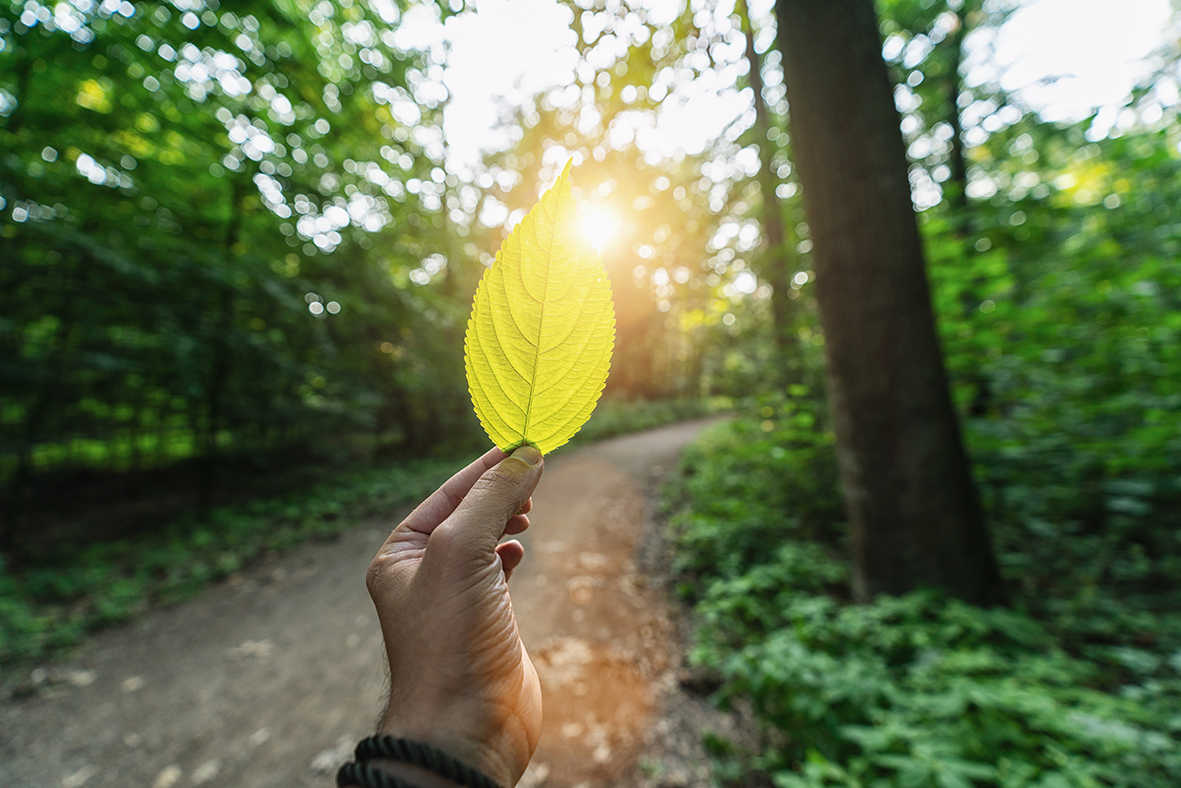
{"x": 1077, "y": 685}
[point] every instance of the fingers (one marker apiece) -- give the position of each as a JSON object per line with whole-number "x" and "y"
{"x": 511, "y": 553}
{"x": 516, "y": 525}
{"x": 442, "y": 502}
{"x": 528, "y": 507}
{"x": 497, "y": 496}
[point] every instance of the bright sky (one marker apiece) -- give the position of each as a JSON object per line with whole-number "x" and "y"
{"x": 506, "y": 52}
{"x": 1067, "y": 58}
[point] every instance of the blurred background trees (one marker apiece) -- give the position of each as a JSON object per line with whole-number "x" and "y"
{"x": 209, "y": 257}
{"x": 242, "y": 238}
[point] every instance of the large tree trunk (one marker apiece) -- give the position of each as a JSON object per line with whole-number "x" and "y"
{"x": 912, "y": 506}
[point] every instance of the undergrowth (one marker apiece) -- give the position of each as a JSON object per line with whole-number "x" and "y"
{"x": 617, "y": 416}
{"x": 1078, "y": 684}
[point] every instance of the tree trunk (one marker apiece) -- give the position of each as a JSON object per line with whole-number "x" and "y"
{"x": 776, "y": 267}
{"x": 956, "y": 191}
{"x": 956, "y": 186}
{"x": 210, "y": 460}
{"x": 913, "y": 509}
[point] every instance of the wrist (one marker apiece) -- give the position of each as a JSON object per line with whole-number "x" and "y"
{"x": 416, "y": 775}
{"x": 498, "y": 754}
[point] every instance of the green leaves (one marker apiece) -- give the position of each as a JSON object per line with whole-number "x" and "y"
{"x": 919, "y": 691}
{"x": 539, "y": 341}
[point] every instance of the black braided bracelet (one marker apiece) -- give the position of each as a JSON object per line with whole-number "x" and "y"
{"x": 412, "y": 752}
{"x": 362, "y": 775}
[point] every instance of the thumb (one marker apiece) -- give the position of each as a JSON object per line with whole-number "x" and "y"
{"x": 478, "y": 522}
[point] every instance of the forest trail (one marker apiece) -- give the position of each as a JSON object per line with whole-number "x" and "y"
{"x": 270, "y": 679}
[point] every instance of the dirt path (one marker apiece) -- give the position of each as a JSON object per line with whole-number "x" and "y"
{"x": 269, "y": 680}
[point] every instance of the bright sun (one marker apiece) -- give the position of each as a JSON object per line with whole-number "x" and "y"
{"x": 599, "y": 225}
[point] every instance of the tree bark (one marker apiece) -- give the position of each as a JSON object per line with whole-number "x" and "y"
{"x": 956, "y": 187}
{"x": 956, "y": 191}
{"x": 913, "y": 510}
{"x": 776, "y": 269}
{"x": 210, "y": 459}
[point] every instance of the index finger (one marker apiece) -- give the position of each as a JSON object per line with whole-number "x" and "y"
{"x": 442, "y": 502}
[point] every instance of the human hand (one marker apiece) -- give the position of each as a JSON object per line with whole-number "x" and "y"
{"x": 460, "y": 678}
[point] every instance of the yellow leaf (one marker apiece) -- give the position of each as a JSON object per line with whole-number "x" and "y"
{"x": 539, "y": 341}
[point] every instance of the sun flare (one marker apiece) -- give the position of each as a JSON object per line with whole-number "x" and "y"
{"x": 599, "y": 225}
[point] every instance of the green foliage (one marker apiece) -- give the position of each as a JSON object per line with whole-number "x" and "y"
{"x": 614, "y": 416}
{"x": 1078, "y": 685}
{"x": 210, "y": 244}
{"x": 778, "y": 485}
{"x": 1063, "y": 339}
{"x": 1054, "y": 266}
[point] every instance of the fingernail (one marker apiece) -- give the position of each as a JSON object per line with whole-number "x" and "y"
{"x": 527, "y": 454}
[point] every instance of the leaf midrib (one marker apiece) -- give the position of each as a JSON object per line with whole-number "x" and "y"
{"x": 540, "y": 322}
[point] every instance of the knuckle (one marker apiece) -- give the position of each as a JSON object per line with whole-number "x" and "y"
{"x": 497, "y": 476}
{"x": 499, "y": 484}
{"x": 451, "y": 543}
{"x": 375, "y": 576}
{"x": 442, "y": 539}
{"x": 380, "y": 575}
